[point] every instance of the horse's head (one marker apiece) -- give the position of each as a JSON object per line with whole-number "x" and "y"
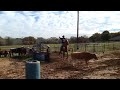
{"x": 66, "y": 42}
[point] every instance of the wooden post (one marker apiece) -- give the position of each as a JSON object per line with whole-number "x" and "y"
{"x": 113, "y": 46}
{"x": 85, "y": 47}
{"x": 104, "y": 48}
{"x": 77, "y": 28}
{"x": 93, "y": 47}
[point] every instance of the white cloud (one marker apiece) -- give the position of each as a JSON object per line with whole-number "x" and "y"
{"x": 56, "y": 23}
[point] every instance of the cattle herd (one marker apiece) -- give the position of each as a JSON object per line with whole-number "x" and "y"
{"x": 4, "y": 53}
{"x": 22, "y": 51}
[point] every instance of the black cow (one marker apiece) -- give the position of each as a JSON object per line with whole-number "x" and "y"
{"x": 4, "y": 53}
{"x": 19, "y": 51}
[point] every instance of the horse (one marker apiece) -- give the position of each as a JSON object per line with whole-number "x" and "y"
{"x": 64, "y": 48}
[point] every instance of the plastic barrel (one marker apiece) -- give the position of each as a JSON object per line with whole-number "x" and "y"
{"x": 40, "y": 56}
{"x": 33, "y": 69}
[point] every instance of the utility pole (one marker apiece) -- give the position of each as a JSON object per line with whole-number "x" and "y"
{"x": 77, "y": 28}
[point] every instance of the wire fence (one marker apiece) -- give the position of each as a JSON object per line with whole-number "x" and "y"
{"x": 90, "y": 47}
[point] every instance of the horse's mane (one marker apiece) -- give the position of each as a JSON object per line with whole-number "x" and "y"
{"x": 66, "y": 42}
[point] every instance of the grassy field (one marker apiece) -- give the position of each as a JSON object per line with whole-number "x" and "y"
{"x": 90, "y": 47}
{"x": 13, "y": 46}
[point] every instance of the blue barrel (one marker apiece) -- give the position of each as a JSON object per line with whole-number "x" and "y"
{"x": 33, "y": 69}
{"x": 39, "y": 56}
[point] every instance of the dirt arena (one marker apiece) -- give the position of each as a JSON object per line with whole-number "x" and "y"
{"x": 106, "y": 67}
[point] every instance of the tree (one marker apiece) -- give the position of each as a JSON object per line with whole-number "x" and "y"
{"x": 17, "y": 41}
{"x": 105, "y": 36}
{"x": 9, "y": 41}
{"x": 115, "y": 34}
{"x": 73, "y": 39}
{"x": 83, "y": 39}
{"x": 53, "y": 40}
{"x": 40, "y": 40}
{"x": 29, "y": 40}
{"x": 2, "y": 41}
{"x": 95, "y": 37}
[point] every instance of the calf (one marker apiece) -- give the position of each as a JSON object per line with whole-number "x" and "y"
{"x": 84, "y": 56}
{"x": 4, "y": 53}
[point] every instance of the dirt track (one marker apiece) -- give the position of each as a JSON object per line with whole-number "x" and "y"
{"x": 107, "y": 67}
{"x": 11, "y": 69}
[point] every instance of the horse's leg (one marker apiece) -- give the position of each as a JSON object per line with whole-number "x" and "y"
{"x": 67, "y": 54}
{"x": 63, "y": 55}
{"x": 60, "y": 50}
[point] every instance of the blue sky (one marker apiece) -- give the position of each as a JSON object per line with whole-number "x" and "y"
{"x": 57, "y": 23}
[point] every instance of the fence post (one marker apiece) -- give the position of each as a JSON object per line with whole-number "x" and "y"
{"x": 113, "y": 46}
{"x": 75, "y": 47}
{"x": 93, "y": 47}
{"x": 33, "y": 69}
{"x": 103, "y": 48}
{"x": 85, "y": 46}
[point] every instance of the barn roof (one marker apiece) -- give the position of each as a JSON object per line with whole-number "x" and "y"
{"x": 117, "y": 38}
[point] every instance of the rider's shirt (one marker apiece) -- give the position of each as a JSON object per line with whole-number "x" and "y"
{"x": 62, "y": 40}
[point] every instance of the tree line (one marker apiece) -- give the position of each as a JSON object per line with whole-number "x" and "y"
{"x": 30, "y": 40}
{"x": 103, "y": 37}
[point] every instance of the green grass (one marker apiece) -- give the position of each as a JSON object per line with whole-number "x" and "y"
{"x": 90, "y": 47}
{"x": 13, "y": 46}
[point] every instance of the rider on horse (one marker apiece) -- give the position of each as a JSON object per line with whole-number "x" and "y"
{"x": 63, "y": 47}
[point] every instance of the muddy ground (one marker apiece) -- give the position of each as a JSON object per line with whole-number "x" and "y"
{"x": 106, "y": 67}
